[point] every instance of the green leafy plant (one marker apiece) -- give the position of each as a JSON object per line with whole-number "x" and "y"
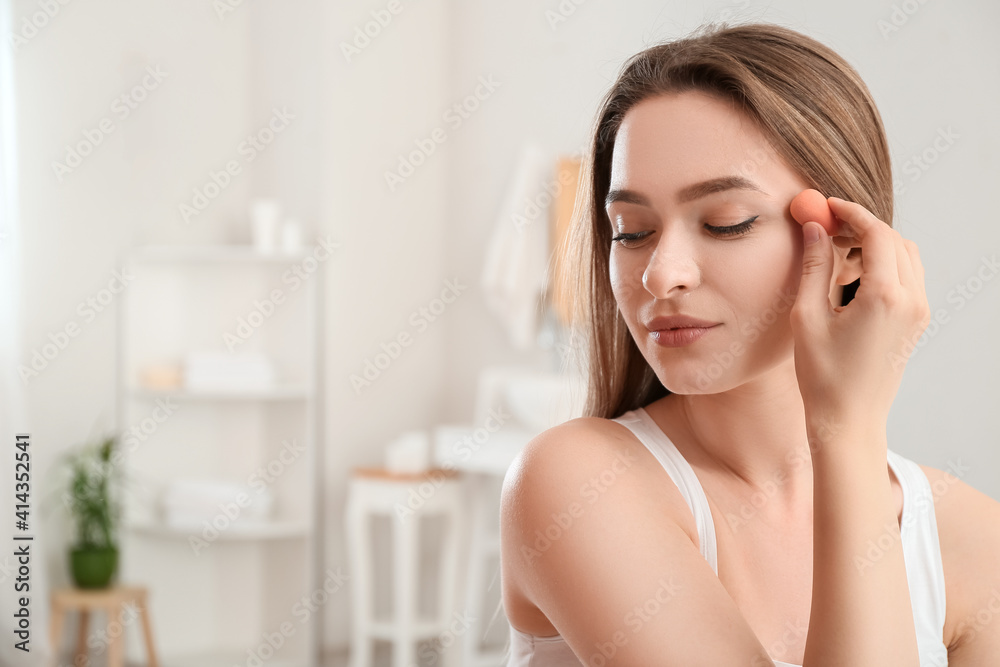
{"x": 92, "y": 495}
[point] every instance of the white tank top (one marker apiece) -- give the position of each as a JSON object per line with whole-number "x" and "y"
{"x": 918, "y": 531}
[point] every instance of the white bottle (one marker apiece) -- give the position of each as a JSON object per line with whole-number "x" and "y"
{"x": 291, "y": 236}
{"x": 264, "y": 217}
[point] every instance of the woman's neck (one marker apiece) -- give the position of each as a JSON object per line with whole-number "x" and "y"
{"x": 752, "y": 437}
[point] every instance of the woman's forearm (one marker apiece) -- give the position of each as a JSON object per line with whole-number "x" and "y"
{"x": 861, "y": 614}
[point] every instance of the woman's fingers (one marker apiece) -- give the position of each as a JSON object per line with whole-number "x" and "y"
{"x": 845, "y": 241}
{"x": 903, "y": 256}
{"x": 918, "y": 266}
{"x": 878, "y": 248}
{"x": 888, "y": 260}
{"x": 907, "y": 277}
{"x": 918, "y": 273}
{"x": 860, "y": 227}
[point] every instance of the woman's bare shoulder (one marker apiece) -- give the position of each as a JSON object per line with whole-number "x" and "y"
{"x": 587, "y": 454}
{"x": 570, "y": 450}
{"x": 583, "y": 446}
{"x": 581, "y": 436}
{"x": 547, "y": 473}
{"x": 585, "y": 477}
{"x": 968, "y": 523}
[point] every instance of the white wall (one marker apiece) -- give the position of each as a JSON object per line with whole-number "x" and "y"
{"x": 126, "y": 191}
{"x": 392, "y": 261}
{"x": 223, "y": 77}
{"x": 398, "y": 247}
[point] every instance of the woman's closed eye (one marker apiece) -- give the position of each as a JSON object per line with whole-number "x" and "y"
{"x": 733, "y": 230}
{"x": 738, "y": 229}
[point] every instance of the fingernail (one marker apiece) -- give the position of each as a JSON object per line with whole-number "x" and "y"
{"x": 836, "y": 199}
{"x": 811, "y": 234}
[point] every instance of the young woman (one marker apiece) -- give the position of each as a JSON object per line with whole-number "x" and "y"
{"x": 729, "y": 497}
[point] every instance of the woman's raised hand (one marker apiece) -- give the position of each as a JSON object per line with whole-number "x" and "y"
{"x": 849, "y": 360}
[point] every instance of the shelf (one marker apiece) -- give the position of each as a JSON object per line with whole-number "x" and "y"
{"x": 213, "y": 253}
{"x": 183, "y": 297}
{"x": 277, "y": 530}
{"x": 277, "y": 393}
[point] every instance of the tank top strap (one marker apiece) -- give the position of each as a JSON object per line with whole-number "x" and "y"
{"x": 921, "y": 554}
{"x": 656, "y": 441}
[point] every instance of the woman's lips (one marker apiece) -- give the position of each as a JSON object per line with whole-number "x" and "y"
{"x": 681, "y": 336}
{"x": 676, "y": 321}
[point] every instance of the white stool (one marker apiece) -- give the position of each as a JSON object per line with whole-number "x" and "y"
{"x": 405, "y": 498}
{"x": 484, "y": 547}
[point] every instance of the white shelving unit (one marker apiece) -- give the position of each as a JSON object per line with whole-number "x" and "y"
{"x": 222, "y": 596}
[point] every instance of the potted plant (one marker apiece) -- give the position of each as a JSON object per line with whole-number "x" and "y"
{"x": 93, "y": 502}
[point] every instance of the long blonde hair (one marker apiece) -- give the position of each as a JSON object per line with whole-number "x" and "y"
{"x": 811, "y": 105}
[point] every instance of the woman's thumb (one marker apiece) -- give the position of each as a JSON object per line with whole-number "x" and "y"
{"x": 817, "y": 268}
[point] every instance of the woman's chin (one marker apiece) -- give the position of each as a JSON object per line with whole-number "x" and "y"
{"x": 691, "y": 376}
{"x": 685, "y": 385}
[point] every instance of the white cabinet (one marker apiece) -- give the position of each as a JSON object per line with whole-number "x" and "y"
{"x": 234, "y": 587}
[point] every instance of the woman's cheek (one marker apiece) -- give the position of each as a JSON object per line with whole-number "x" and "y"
{"x": 616, "y": 286}
{"x": 626, "y": 279}
{"x": 749, "y": 332}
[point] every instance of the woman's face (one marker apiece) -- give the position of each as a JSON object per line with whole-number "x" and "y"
{"x": 746, "y": 281}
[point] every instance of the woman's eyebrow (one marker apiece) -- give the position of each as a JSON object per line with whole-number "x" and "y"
{"x": 688, "y": 193}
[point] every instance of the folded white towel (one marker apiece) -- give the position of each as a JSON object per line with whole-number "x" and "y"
{"x": 217, "y": 370}
{"x": 191, "y": 501}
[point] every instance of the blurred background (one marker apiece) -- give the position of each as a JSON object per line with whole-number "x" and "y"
{"x": 275, "y": 284}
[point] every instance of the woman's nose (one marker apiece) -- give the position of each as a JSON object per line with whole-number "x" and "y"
{"x": 671, "y": 270}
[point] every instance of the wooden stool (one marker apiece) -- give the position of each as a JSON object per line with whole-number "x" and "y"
{"x": 113, "y": 602}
